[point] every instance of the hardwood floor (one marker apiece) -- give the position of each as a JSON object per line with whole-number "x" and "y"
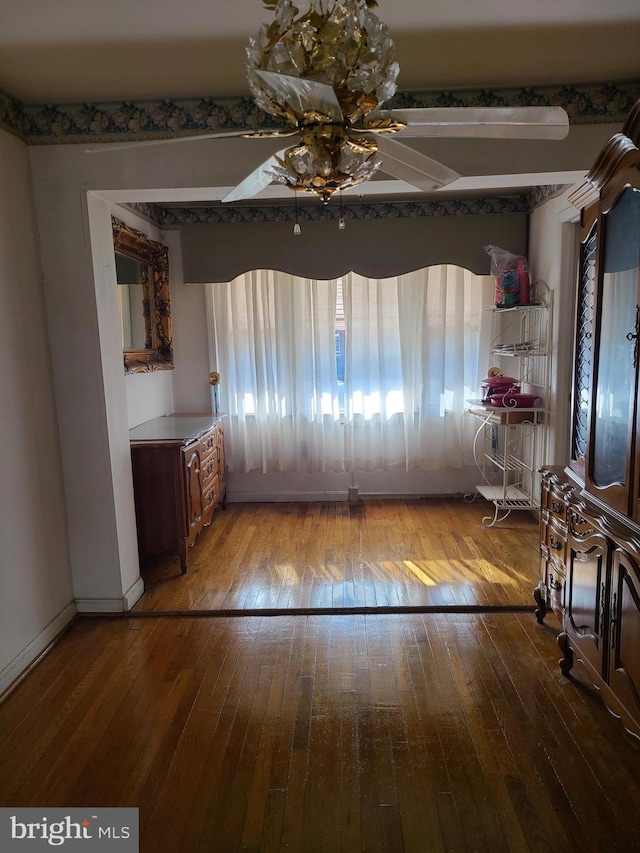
{"x": 301, "y": 731}
{"x": 432, "y": 553}
{"x": 415, "y": 732}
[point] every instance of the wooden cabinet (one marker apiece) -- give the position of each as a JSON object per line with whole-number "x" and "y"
{"x": 179, "y": 480}
{"x": 604, "y": 434}
{"x": 593, "y": 583}
{"x": 553, "y": 548}
{"x": 590, "y": 511}
{"x": 623, "y": 647}
{"x": 586, "y": 592}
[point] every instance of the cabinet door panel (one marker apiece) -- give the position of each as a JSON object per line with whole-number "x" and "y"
{"x": 158, "y": 516}
{"x": 585, "y": 597}
{"x": 583, "y": 351}
{"x": 624, "y": 645}
{"x": 613, "y": 412}
{"x": 222, "y": 468}
{"x": 193, "y": 485}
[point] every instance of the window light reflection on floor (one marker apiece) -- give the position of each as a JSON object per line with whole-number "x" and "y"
{"x": 427, "y": 572}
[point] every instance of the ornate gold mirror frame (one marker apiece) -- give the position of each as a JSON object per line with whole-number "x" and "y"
{"x": 153, "y": 257}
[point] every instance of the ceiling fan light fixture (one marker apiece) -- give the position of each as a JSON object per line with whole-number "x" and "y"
{"x": 326, "y": 162}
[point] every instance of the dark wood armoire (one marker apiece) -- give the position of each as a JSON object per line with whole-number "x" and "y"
{"x": 590, "y": 510}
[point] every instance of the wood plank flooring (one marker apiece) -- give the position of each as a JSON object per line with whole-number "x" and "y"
{"x": 370, "y": 554}
{"x": 416, "y": 732}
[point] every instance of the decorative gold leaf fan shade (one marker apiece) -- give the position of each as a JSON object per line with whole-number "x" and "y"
{"x": 340, "y": 43}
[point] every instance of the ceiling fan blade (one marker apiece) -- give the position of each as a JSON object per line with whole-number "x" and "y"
{"x": 422, "y": 172}
{"x": 482, "y": 122}
{"x": 257, "y": 181}
{"x": 260, "y": 133}
{"x": 302, "y": 95}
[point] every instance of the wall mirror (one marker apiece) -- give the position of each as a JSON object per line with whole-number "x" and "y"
{"x": 142, "y": 273}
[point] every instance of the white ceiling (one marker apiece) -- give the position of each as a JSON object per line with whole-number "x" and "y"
{"x": 74, "y": 51}
{"x": 78, "y": 50}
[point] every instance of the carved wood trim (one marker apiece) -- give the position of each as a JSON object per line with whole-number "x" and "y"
{"x": 621, "y": 151}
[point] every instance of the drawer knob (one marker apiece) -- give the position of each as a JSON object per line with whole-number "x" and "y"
{"x": 554, "y": 584}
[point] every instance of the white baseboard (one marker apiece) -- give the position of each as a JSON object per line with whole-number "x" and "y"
{"x": 99, "y": 605}
{"x": 15, "y": 668}
{"x": 112, "y": 605}
{"x": 408, "y": 496}
{"x": 281, "y": 497}
{"x": 133, "y": 594}
{"x": 28, "y": 655}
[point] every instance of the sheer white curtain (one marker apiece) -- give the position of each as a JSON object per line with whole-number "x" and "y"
{"x": 274, "y": 347}
{"x": 413, "y": 359}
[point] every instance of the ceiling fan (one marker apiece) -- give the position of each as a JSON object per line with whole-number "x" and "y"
{"x": 325, "y": 67}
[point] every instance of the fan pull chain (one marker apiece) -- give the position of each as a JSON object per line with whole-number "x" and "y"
{"x": 296, "y": 228}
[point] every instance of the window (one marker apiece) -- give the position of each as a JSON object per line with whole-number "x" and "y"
{"x": 350, "y": 373}
{"x": 340, "y": 344}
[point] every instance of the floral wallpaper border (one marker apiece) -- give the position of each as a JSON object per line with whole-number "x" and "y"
{"x": 538, "y": 195}
{"x": 133, "y": 120}
{"x": 175, "y": 217}
{"x": 39, "y": 124}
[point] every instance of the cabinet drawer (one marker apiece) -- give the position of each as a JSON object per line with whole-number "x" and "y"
{"x": 555, "y": 541}
{"x": 557, "y": 506}
{"x": 211, "y": 494}
{"x": 209, "y": 443}
{"x": 554, "y": 581}
{"x": 581, "y": 526}
{"x": 556, "y": 494}
{"x": 209, "y": 469}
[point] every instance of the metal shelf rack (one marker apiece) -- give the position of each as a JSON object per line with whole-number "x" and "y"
{"x": 510, "y": 443}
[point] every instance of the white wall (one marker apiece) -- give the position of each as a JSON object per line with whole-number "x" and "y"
{"x": 78, "y": 266}
{"x": 553, "y": 250}
{"x": 149, "y": 395}
{"x": 74, "y": 194}
{"x": 67, "y": 530}
{"x": 191, "y": 389}
{"x": 36, "y": 596}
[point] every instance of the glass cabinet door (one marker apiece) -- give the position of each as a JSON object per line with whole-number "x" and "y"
{"x": 614, "y": 400}
{"x": 583, "y": 362}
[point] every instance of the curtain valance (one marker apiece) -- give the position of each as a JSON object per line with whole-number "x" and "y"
{"x": 376, "y": 248}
